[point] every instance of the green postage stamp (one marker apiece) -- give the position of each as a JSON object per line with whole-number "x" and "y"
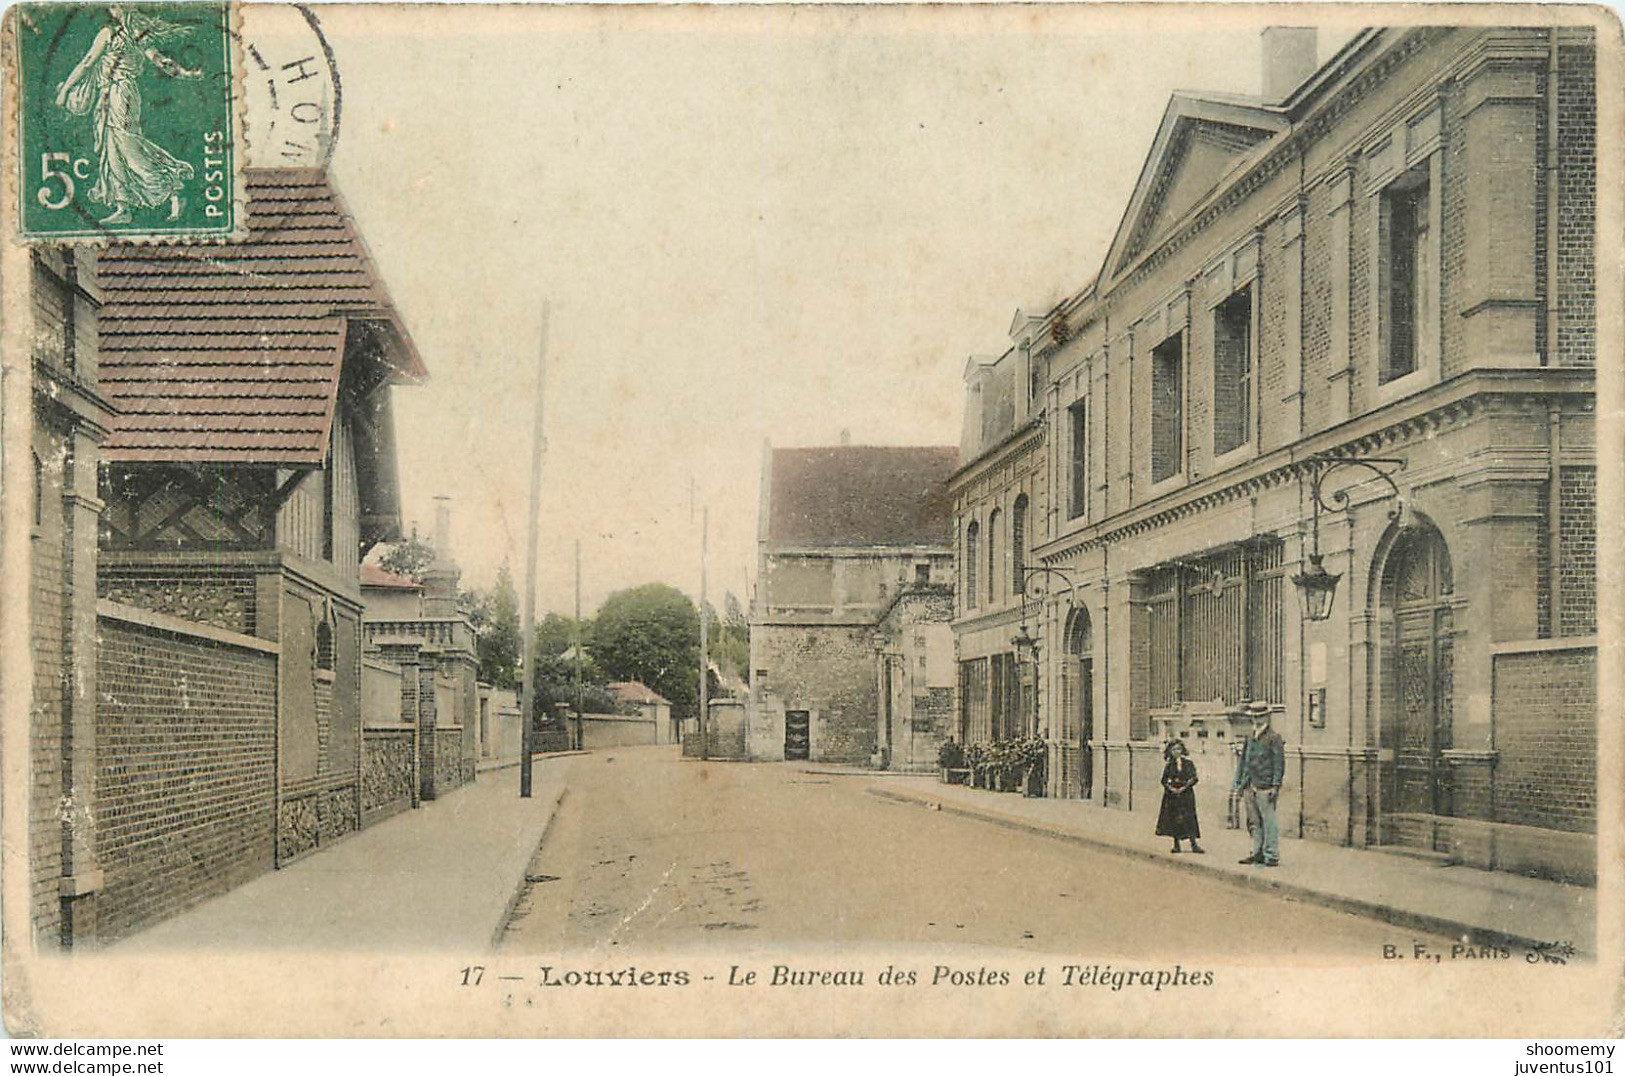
{"x": 127, "y": 121}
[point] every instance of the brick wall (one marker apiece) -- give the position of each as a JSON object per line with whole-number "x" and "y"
{"x": 1576, "y": 201}
{"x": 1454, "y": 207}
{"x": 1577, "y": 568}
{"x": 185, "y": 772}
{"x": 1545, "y": 729}
{"x": 1318, "y": 274}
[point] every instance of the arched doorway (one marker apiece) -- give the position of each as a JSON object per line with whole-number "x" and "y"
{"x": 1078, "y": 706}
{"x": 1418, "y": 691}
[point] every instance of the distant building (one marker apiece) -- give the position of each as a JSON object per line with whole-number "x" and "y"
{"x": 998, "y": 495}
{"x": 418, "y": 628}
{"x": 648, "y": 705}
{"x": 388, "y": 596}
{"x": 500, "y": 725}
{"x": 855, "y": 569}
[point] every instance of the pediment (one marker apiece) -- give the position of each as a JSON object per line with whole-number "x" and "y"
{"x": 1200, "y": 142}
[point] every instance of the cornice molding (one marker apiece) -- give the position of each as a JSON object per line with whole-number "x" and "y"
{"x": 1414, "y": 418}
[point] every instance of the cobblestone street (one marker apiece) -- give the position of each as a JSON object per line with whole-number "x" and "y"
{"x": 650, "y": 851}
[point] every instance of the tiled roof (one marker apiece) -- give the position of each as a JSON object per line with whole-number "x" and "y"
{"x": 634, "y": 692}
{"x": 232, "y": 353}
{"x": 856, "y": 495}
{"x": 374, "y": 576}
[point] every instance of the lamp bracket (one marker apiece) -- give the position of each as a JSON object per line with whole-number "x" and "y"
{"x": 1320, "y": 468}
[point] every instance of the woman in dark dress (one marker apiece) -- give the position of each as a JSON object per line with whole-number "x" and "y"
{"x": 1177, "y": 819}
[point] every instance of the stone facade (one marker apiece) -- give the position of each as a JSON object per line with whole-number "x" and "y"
{"x": 915, "y": 670}
{"x": 1373, "y": 263}
{"x": 998, "y": 497}
{"x": 854, "y": 563}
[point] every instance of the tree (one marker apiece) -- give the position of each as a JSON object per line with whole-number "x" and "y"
{"x": 408, "y": 558}
{"x": 651, "y": 634}
{"x": 495, "y": 616}
{"x": 556, "y": 634}
{"x": 729, "y": 639}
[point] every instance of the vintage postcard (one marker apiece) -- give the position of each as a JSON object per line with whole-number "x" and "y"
{"x": 811, "y": 520}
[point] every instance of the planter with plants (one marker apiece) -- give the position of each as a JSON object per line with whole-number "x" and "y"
{"x": 976, "y": 760}
{"x": 1008, "y": 764}
{"x": 1032, "y": 755}
{"x": 951, "y": 761}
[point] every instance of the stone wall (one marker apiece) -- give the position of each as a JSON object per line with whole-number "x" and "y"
{"x": 725, "y": 732}
{"x": 185, "y": 771}
{"x": 450, "y": 771}
{"x": 615, "y": 730}
{"x": 829, "y": 671}
{"x": 202, "y": 595}
{"x": 388, "y": 771}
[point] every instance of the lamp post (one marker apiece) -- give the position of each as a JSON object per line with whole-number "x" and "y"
{"x": 1026, "y": 646}
{"x": 1316, "y": 586}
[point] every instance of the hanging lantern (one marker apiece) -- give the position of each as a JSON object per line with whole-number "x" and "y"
{"x": 1026, "y": 646}
{"x": 1316, "y": 587}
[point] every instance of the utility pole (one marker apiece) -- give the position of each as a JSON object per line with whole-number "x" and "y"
{"x": 538, "y": 446}
{"x": 580, "y": 740}
{"x": 705, "y": 662}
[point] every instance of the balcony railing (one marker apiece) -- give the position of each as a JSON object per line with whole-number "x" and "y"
{"x": 452, "y": 632}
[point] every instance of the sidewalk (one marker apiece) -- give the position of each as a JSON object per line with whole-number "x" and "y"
{"x": 443, "y": 876}
{"x": 1489, "y": 907}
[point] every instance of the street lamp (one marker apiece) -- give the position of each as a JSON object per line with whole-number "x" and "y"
{"x": 1026, "y": 646}
{"x": 1316, "y": 586}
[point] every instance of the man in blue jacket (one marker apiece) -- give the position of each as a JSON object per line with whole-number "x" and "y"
{"x": 1258, "y": 779}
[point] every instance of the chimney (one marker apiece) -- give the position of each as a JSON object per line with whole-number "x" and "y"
{"x": 440, "y": 578}
{"x": 442, "y": 526}
{"x": 1290, "y": 57}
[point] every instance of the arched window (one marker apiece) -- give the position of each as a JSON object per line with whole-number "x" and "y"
{"x": 972, "y": 553}
{"x": 993, "y": 522}
{"x": 1018, "y": 545}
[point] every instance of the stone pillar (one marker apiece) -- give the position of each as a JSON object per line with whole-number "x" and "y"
{"x": 81, "y": 873}
{"x": 1339, "y": 370}
{"x": 404, "y": 655}
{"x": 1500, "y": 175}
{"x": 427, "y": 719}
{"x": 1292, "y": 256}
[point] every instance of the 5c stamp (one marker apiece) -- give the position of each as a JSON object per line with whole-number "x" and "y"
{"x": 128, "y": 121}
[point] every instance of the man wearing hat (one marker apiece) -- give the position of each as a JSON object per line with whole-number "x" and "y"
{"x": 1258, "y": 779}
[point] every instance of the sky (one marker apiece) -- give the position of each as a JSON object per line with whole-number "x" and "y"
{"x": 748, "y": 225}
